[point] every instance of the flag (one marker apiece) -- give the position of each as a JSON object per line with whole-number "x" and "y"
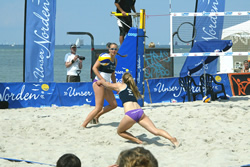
{"x": 207, "y": 29}
{"x": 39, "y": 43}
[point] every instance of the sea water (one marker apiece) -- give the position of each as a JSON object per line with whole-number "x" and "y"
{"x": 11, "y": 63}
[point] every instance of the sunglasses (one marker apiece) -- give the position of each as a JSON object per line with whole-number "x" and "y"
{"x": 113, "y": 48}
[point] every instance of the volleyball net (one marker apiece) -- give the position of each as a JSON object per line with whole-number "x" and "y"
{"x": 188, "y": 28}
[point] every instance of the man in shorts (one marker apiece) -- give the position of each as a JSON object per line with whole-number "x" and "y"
{"x": 124, "y": 6}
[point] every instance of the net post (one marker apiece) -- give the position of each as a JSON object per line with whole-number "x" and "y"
{"x": 142, "y": 19}
{"x": 142, "y": 26}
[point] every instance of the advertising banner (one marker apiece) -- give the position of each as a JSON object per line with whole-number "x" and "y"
{"x": 75, "y": 93}
{"x": 129, "y": 48}
{"x": 40, "y": 40}
{"x": 21, "y": 95}
{"x": 240, "y": 83}
{"x": 207, "y": 29}
{"x": 197, "y": 65}
{"x": 169, "y": 90}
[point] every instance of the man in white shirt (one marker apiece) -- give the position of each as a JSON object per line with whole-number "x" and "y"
{"x": 246, "y": 66}
{"x": 73, "y": 65}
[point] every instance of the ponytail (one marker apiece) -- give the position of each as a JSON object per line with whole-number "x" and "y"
{"x": 128, "y": 79}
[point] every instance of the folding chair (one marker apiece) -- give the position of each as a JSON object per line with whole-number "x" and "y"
{"x": 188, "y": 83}
{"x": 211, "y": 86}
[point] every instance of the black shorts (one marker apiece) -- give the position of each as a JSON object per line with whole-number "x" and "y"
{"x": 72, "y": 78}
{"x": 124, "y": 29}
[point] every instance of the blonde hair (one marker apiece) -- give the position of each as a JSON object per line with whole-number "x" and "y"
{"x": 129, "y": 80}
{"x": 137, "y": 157}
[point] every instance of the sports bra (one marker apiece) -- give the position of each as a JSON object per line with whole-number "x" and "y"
{"x": 106, "y": 71}
{"x": 127, "y": 95}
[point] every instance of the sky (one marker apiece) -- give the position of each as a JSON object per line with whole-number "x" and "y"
{"x": 93, "y": 16}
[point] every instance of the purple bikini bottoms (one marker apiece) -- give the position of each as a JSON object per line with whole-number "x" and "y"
{"x": 135, "y": 114}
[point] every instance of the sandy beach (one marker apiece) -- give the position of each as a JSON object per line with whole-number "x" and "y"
{"x": 215, "y": 134}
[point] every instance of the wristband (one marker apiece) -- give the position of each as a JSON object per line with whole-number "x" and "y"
{"x": 72, "y": 61}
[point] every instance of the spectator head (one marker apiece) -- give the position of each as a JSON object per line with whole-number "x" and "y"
{"x": 137, "y": 157}
{"x": 68, "y": 160}
{"x": 151, "y": 45}
{"x": 246, "y": 64}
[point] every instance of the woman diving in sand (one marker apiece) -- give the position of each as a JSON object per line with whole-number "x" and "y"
{"x": 128, "y": 93}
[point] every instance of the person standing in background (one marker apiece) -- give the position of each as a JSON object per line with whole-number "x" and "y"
{"x": 246, "y": 66}
{"x": 124, "y": 6}
{"x": 73, "y": 65}
{"x": 151, "y": 45}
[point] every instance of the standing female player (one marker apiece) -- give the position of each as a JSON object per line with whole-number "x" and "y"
{"x": 103, "y": 73}
{"x": 128, "y": 93}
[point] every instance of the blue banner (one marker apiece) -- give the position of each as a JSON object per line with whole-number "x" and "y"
{"x": 169, "y": 90}
{"x": 209, "y": 28}
{"x": 77, "y": 93}
{"x": 129, "y": 48}
{"x": 40, "y": 40}
{"x": 197, "y": 65}
{"x": 21, "y": 95}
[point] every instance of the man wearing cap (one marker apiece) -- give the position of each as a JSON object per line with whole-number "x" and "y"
{"x": 73, "y": 65}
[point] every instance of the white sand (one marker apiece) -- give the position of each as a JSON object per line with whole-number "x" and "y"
{"x": 213, "y": 134}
